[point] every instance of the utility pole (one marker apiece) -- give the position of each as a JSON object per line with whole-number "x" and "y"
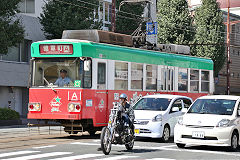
{"x": 228, "y": 50}
{"x": 113, "y": 21}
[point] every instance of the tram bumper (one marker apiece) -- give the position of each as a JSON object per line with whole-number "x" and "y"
{"x": 54, "y": 116}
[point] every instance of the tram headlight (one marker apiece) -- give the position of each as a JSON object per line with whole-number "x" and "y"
{"x": 34, "y": 107}
{"x": 74, "y": 107}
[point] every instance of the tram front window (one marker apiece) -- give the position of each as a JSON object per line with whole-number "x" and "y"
{"x": 62, "y": 72}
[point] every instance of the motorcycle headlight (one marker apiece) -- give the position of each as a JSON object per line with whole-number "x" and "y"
{"x": 180, "y": 120}
{"x": 224, "y": 123}
{"x": 157, "y": 118}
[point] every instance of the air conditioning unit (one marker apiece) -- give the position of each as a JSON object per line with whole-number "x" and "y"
{"x": 174, "y": 48}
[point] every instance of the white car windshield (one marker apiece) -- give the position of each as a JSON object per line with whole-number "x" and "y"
{"x": 155, "y": 104}
{"x": 213, "y": 106}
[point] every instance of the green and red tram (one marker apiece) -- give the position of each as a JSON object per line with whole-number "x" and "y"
{"x": 100, "y": 72}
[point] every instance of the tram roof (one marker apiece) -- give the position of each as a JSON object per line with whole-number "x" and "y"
{"x": 83, "y": 48}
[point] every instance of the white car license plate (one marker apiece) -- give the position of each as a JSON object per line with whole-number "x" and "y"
{"x": 198, "y": 134}
{"x": 137, "y": 131}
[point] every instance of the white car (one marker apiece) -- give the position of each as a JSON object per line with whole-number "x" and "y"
{"x": 211, "y": 120}
{"x": 156, "y": 115}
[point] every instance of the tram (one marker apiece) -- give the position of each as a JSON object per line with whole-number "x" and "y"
{"x": 99, "y": 73}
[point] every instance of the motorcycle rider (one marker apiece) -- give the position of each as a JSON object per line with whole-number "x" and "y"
{"x": 127, "y": 111}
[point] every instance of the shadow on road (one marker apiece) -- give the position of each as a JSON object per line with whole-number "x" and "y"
{"x": 156, "y": 140}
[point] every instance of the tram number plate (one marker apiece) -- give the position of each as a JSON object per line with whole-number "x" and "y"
{"x": 137, "y": 131}
{"x": 198, "y": 134}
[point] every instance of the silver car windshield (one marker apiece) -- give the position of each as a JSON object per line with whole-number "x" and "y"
{"x": 213, "y": 106}
{"x": 155, "y": 104}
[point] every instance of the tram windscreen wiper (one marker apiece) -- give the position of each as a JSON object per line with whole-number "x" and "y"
{"x": 49, "y": 84}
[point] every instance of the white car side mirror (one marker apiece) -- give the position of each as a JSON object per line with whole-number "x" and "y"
{"x": 238, "y": 112}
{"x": 175, "y": 109}
{"x": 184, "y": 110}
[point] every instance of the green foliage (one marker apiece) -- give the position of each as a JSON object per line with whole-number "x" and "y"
{"x": 174, "y": 22}
{"x": 11, "y": 31}
{"x": 126, "y": 22}
{"x": 8, "y": 114}
{"x": 60, "y": 15}
{"x": 209, "y": 30}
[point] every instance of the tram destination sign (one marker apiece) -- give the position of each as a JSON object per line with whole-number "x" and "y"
{"x": 56, "y": 48}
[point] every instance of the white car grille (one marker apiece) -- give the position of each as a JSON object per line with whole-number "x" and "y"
{"x": 141, "y": 122}
{"x": 195, "y": 126}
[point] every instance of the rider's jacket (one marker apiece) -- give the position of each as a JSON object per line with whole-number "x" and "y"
{"x": 128, "y": 110}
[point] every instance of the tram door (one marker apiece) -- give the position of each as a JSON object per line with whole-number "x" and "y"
{"x": 101, "y": 92}
{"x": 167, "y": 78}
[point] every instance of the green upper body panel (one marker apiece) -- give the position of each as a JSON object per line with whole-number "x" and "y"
{"x": 121, "y": 53}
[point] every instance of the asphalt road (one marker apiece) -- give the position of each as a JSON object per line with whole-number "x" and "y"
{"x": 20, "y": 144}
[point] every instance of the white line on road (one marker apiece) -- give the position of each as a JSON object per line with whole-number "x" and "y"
{"x": 169, "y": 149}
{"x": 118, "y": 157}
{"x": 79, "y": 157}
{"x": 160, "y": 159}
{"x": 37, "y": 156}
{"x": 169, "y": 146}
{"x": 16, "y": 153}
{"x": 88, "y": 144}
{"x": 44, "y": 147}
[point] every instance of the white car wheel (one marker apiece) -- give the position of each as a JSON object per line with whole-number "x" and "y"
{"x": 166, "y": 134}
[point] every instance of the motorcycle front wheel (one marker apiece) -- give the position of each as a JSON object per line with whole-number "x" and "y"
{"x": 130, "y": 143}
{"x": 105, "y": 141}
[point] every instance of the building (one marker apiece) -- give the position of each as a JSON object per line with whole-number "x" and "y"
{"x": 15, "y": 65}
{"x": 221, "y": 80}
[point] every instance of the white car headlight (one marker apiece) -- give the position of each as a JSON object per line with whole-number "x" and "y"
{"x": 180, "y": 120}
{"x": 224, "y": 123}
{"x": 157, "y": 118}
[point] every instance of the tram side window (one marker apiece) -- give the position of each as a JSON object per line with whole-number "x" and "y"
{"x": 194, "y": 80}
{"x": 205, "y": 81}
{"x": 87, "y": 74}
{"x": 101, "y": 80}
{"x": 182, "y": 79}
{"x": 136, "y": 76}
{"x": 151, "y": 77}
{"x": 163, "y": 79}
{"x": 121, "y": 76}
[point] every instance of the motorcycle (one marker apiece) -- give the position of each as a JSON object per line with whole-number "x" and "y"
{"x": 116, "y": 132}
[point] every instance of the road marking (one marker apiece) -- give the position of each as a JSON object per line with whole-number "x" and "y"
{"x": 168, "y": 149}
{"x": 88, "y": 144}
{"x": 37, "y": 156}
{"x": 16, "y": 153}
{"x": 118, "y": 157}
{"x": 170, "y": 146}
{"x": 79, "y": 157}
{"x": 160, "y": 159}
{"x": 44, "y": 147}
{"x": 97, "y": 140}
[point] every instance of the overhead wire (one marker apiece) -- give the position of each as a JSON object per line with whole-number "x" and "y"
{"x": 177, "y": 26}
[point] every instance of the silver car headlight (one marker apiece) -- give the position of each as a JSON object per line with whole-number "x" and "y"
{"x": 157, "y": 118}
{"x": 224, "y": 123}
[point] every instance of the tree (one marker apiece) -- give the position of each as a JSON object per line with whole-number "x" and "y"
{"x": 129, "y": 17}
{"x": 210, "y": 32}
{"x": 11, "y": 31}
{"x": 174, "y": 22}
{"x": 60, "y": 15}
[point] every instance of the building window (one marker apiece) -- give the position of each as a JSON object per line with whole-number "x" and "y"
{"x": 27, "y": 6}
{"x": 121, "y": 76}
{"x": 182, "y": 79}
{"x": 151, "y": 77}
{"x": 205, "y": 81}
{"x": 136, "y": 76}
{"x": 194, "y": 80}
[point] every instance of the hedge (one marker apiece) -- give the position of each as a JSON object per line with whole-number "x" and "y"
{"x": 8, "y": 114}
